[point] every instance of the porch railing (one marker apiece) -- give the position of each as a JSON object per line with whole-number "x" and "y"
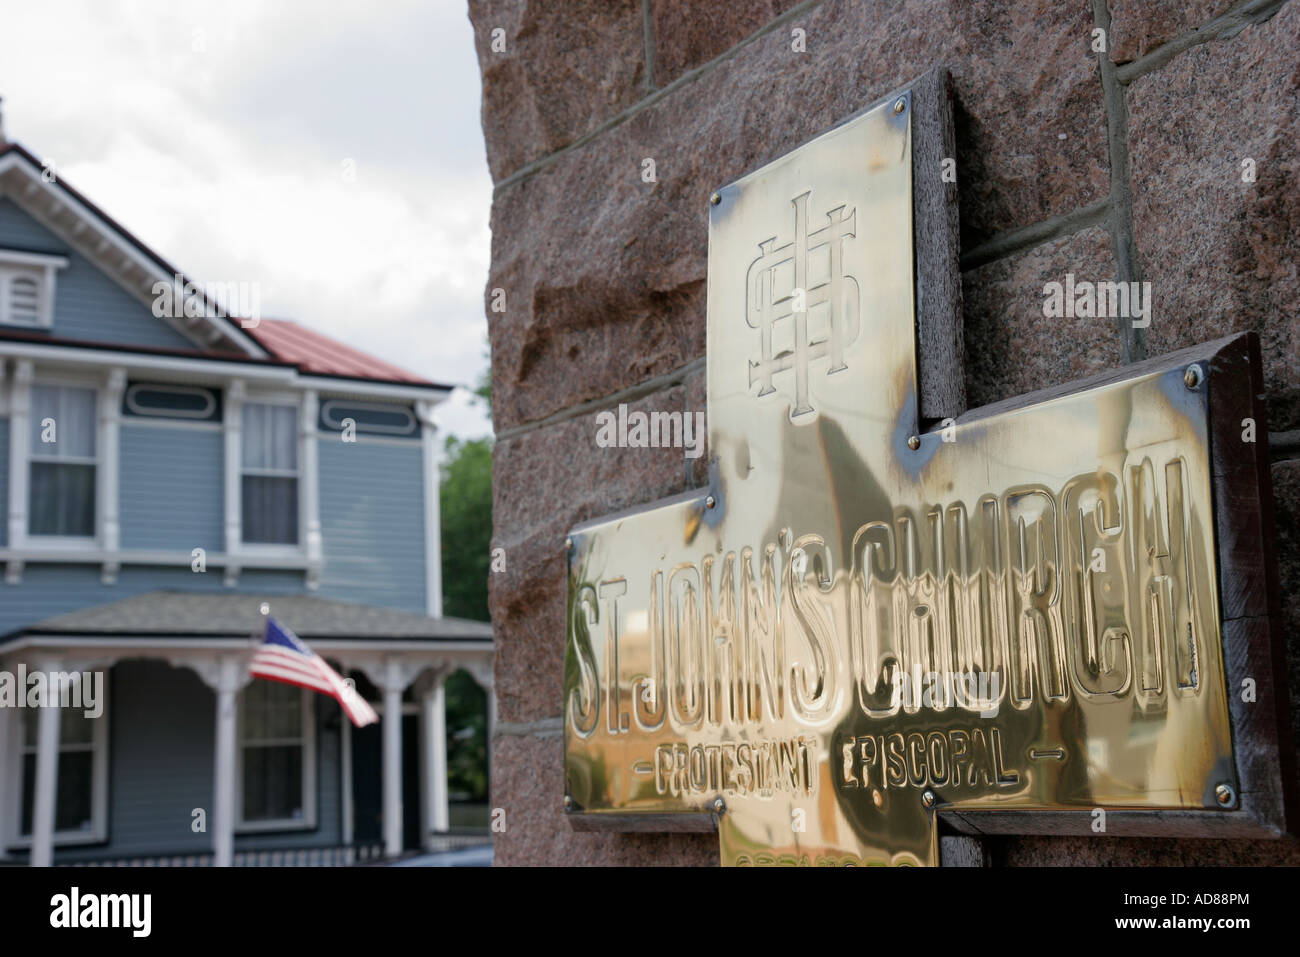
{"x": 351, "y": 855}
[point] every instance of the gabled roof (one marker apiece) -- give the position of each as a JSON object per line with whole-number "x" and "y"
{"x": 136, "y": 267}
{"x": 67, "y": 212}
{"x": 225, "y": 614}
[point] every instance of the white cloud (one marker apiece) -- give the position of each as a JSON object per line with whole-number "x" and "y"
{"x": 217, "y": 131}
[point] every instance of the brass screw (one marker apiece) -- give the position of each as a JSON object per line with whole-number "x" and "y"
{"x": 719, "y": 805}
{"x": 1225, "y": 795}
{"x": 1192, "y": 377}
{"x": 928, "y": 798}
{"x": 568, "y": 803}
{"x": 568, "y": 543}
{"x": 710, "y": 502}
{"x": 899, "y": 105}
{"x": 914, "y": 442}
{"x": 715, "y": 199}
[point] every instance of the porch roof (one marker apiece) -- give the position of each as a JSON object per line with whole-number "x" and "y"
{"x": 208, "y": 614}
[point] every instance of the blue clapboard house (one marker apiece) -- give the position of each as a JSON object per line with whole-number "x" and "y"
{"x": 166, "y": 471}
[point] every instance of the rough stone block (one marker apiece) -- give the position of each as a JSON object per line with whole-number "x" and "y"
{"x": 566, "y": 69}
{"x": 605, "y": 273}
{"x": 688, "y": 34}
{"x": 1221, "y": 253}
{"x": 1011, "y": 347}
{"x": 1139, "y": 26}
{"x": 545, "y": 481}
{"x": 528, "y": 784}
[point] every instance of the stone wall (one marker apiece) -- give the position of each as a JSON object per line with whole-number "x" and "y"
{"x": 1125, "y": 164}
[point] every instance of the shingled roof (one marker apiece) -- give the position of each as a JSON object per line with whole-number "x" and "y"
{"x": 200, "y": 614}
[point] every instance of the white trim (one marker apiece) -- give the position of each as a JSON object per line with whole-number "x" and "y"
{"x": 24, "y": 258}
{"x": 309, "y": 525}
{"x": 232, "y": 461}
{"x": 20, "y": 410}
{"x": 213, "y": 370}
{"x": 51, "y": 548}
{"x": 308, "y": 743}
{"x": 11, "y": 825}
{"x": 410, "y": 442}
{"x": 39, "y": 268}
{"x": 347, "y": 813}
{"x": 217, "y": 371}
{"x": 432, "y": 485}
{"x": 207, "y": 394}
{"x": 409, "y": 431}
{"x": 188, "y": 425}
{"x": 390, "y": 390}
{"x": 107, "y": 474}
{"x": 120, "y": 645}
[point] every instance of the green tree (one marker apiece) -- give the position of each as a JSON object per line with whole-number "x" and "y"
{"x": 466, "y": 510}
{"x": 466, "y": 516}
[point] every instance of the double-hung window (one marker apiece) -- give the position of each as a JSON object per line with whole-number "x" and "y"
{"x": 63, "y": 463}
{"x": 270, "y": 474}
{"x": 277, "y": 757}
{"x": 82, "y": 757}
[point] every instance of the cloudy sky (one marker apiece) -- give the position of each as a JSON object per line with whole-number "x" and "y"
{"x": 222, "y": 133}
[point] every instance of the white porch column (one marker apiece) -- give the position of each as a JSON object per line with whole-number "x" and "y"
{"x": 6, "y": 759}
{"x": 232, "y": 463}
{"x": 391, "y": 675}
{"x": 230, "y": 677}
{"x": 392, "y": 721}
{"x": 433, "y": 718}
{"x": 345, "y": 768}
{"x": 20, "y": 448}
{"x": 110, "y": 419}
{"x": 309, "y": 483}
{"x": 432, "y": 526}
{"x": 47, "y": 774}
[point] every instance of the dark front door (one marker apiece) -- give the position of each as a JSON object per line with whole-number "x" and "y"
{"x": 368, "y": 783}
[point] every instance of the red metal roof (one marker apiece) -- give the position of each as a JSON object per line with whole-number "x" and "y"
{"x": 314, "y": 353}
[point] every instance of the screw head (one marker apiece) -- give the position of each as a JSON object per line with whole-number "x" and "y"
{"x": 914, "y": 442}
{"x": 715, "y": 199}
{"x": 900, "y": 105}
{"x": 928, "y": 798}
{"x": 1225, "y": 795}
{"x": 568, "y": 803}
{"x": 568, "y": 543}
{"x": 719, "y": 805}
{"x": 1193, "y": 376}
{"x": 710, "y": 501}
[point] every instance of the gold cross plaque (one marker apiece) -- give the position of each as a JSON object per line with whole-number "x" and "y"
{"x": 862, "y": 625}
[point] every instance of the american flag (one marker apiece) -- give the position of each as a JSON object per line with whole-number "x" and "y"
{"x": 283, "y": 656}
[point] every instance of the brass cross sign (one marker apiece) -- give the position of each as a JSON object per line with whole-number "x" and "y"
{"x": 862, "y": 625}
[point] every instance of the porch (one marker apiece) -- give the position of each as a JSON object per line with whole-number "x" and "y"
{"x": 185, "y": 764}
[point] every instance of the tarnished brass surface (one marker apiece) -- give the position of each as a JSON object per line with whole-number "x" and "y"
{"x": 1054, "y": 566}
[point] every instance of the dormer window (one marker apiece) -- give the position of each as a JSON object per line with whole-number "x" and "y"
{"x": 27, "y": 288}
